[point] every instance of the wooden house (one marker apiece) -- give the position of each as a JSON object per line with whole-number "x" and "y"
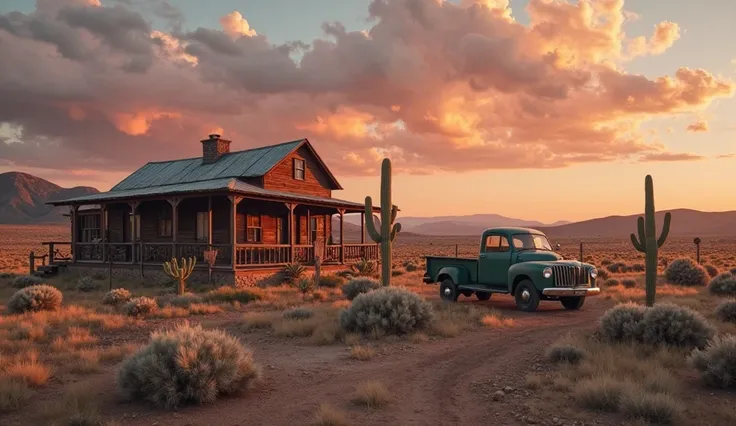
{"x": 259, "y": 208}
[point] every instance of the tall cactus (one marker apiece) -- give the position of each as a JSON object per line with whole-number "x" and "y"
{"x": 180, "y": 273}
{"x": 389, "y": 229}
{"x": 648, "y": 242}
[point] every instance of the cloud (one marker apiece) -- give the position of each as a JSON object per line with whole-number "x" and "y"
{"x": 432, "y": 84}
{"x": 698, "y": 126}
{"x": 671, "y": 156}
{"x": 731, "y": 155}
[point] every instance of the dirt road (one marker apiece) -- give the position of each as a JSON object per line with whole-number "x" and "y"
{"x": 446, "y": 382}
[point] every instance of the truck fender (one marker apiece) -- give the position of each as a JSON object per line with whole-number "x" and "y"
{"x": 458, "y": 275}
{"x": 518, "y": 273}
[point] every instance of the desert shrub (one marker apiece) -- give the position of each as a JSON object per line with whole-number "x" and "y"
{"x": 675, "y": 325}
{"x": 717, "y": 362}
{"x": 24, "y": 281}
{"x": 723, "y": 284}
{"x": 140, "y": 306}
{"x": 391, "y": 310}
{"x": 397, "y": 272}
{"x": 654, "y": 408}
{"x": 116, "y": 296}
{"x": 611, "y": 282}
{"x": 347, "y": 273}
{"x": 331, "y": 281}
{"x": 184, "y": 301}
{"x": 298, "y": 314}
{"x": 726, "y": 311}
{"x": 628, "y": 283}
{"x": 86, "y": 284}
{"x": 605, "y": 262}
{"x": 358, "y": 286}
{"x": 410, "y": 266}
{"x": 600, "y": 393}
{"x": 35, "y": 298}
{"x": 303, "y": 286}
{"x": 364, "y": 267}
{"x": 602, "y": 274}
{"x": 638, "y": 267}
{"x": 618, "y": 267}
{"x": 711, "y": 270}
{"x": 685, "y": 271}
{"x": 565, "y": 352}
{"x": 623, "y": 323}
{"x": 294, "y": 271}
{"x": 232, "y": 294}
{"x": 187, "y": 365}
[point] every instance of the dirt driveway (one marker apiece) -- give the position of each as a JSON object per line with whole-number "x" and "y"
{"x": 445, "y": 382}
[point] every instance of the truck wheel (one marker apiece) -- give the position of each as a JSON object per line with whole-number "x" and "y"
{"x": 448, "y": 291}
{"x": 572, "y": 303}
{"x": 482, "y": 295}
{"x": 467, "y": 293}
{"x": 527, "y": 297}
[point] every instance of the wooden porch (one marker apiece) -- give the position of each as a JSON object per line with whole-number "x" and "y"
{"x": 247, "y": 233}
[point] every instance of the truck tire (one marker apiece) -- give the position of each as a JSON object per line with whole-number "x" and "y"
{"x": 527, "y": 297}
{"x": 483, "y": 295}
{"x": 467, "y": 293}
{"x": 448, "y": 290}
{"x": 572, "y": 303}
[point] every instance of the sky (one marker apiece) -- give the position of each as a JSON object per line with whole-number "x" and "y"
{"x": 537, "y": 109}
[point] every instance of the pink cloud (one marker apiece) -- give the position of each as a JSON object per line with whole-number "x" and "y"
{"x": 698, "y": 126}
{"x": 433, "y": 85}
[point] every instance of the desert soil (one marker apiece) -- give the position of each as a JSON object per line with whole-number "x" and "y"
{"x": 446, "y": 382}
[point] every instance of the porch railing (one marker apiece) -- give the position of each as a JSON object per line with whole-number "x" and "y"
{"x": 245, "y": 254}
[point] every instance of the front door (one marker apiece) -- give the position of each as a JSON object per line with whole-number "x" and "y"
{"x": 494, "y": 261}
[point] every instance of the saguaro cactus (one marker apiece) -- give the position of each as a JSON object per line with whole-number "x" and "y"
{"x": 389, "y": 229}
{"x": 180, "y": 273}
{"x": 648, "y": 242}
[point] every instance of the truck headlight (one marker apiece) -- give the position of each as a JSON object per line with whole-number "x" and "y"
{"x": 593, "y": 273}
{"x": 547, "y": 272}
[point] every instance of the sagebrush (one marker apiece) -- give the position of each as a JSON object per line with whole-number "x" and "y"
{"x": 35, "y": 298}
{"x": 116, "y": 296}
{"x": 187, "y": 365}
{"x": 684, "y": 271}
{"x": 358, "y": 286}
{"x": 723, "y": 284}
{"x": 139, "y": 306}
{"x": 675, "y": 325}
{"x": 717, "y": 362}
{"x": 391, "y": 310}
{"x": 623, "y": 323}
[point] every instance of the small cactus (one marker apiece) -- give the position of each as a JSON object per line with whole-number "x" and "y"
{"x": 648, "y": 242}
{"x": 180, "y": 273}
{"x": 389, "y": 229}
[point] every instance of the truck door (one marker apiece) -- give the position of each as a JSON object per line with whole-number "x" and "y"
{"x": 494, "y": 261}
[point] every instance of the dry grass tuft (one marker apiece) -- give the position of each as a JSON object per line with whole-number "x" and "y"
{"x": 13, "y": 394}
{"x": 533, "y": 381}
{"x": 495, "y": 320}
{"x": 362, "y": 353}
{"x": 328, "y": 415}
{"x": 28, "y": 370}
{"x": 372, "y": 394}
{"x": 78, "y": 407}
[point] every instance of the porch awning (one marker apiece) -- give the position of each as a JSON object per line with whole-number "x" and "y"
{"x": 226, "y": 185}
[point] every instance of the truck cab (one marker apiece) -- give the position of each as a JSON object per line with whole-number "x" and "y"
{"x": 517, "y": 261}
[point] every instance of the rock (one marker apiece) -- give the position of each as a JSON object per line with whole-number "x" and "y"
{"x": 498, "y": 395}
{"x": 508, "y": 389}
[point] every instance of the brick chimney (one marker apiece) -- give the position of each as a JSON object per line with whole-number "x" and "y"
{"x": 214, "y": 148}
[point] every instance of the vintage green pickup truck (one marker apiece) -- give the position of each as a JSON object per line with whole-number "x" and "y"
{"x": 517, "y": 261}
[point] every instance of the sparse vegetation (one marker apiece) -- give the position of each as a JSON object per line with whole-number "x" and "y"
{"x": 294, "y": 271}
{"x": 24, "y": 281}
{"x": 623, "y": 323}
{"x": 117, "y": 296}
{"x": 86, "y": 284}
{"x": 717, "y": 362}
{"x": 684, "y": 271}
{"x": 726, "y": 311}
{"x": 187, "y": 365}
{"x": 139, "y": 306}
{"x": 674, "y": 325}
{"x": 723, "y": 284}
{"x": 358, "y": 286}
{"x": 372, "y": 394}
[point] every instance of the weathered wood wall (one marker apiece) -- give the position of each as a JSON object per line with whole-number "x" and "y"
{"x": 316, "y": 181}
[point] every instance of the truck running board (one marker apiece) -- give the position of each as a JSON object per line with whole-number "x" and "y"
{"x": 481, "y": 289}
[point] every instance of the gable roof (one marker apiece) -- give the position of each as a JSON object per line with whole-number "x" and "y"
{"x": 249, "y": 163}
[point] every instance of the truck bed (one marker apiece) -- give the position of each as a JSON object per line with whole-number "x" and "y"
{"x": 435, "y": 263}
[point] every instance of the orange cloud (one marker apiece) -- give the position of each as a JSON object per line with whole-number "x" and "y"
{"x": 138, "y": 123}
{"x": 234, "y": 24}
{"x": 670, "y": 156}
{"x": 698, "y": 126}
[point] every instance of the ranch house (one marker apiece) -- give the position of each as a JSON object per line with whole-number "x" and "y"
{"x": 259, "y": 209}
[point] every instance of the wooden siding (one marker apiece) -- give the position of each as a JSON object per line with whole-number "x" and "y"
{"x": 316, "y": 180}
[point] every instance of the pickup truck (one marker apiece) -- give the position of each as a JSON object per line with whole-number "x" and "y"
{"x": 517, "y": 261}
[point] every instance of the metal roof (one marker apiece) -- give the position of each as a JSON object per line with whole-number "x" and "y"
{"x": 249, "y": 163}
{"x": 230, "y": 185}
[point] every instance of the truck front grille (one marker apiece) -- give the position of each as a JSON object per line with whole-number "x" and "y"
{"x": 569, "y": 276}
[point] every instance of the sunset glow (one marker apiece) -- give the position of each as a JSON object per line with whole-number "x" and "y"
{"x": 540, "y": 109}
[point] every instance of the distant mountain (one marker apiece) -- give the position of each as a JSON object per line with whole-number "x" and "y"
{"x": 465, "y": 225}
{"x": 685, "y": 222}
{"x": 23, "y": 198}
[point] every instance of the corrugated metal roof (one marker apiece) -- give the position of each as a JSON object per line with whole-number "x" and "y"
{"x": 231, "y": 185}
{"x": 249, "y": 163}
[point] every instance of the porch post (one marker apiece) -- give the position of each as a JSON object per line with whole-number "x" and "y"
{"x": 133, "y": 228}
{"x": 174, "y": 202}
{"x": 291, "y": 206}
{"x": 234, "y": 201}
{"x": 362, "y": 228}
{"x": 342, "y": 236}
{"x": 105, "y": 232}
{"x": 209, "y": 223}
{"x": 75, "y": 231}
{"x": 309, "y": 227}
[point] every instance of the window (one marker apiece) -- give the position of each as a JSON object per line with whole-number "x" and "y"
{"x": 203, "y": 227}
{"x": 313, "y": 229}
{"x": 531, "y": 242}
{"x": 91, "y": 227}
{"x": 253, "y": 228}
{"x": 298, "y": 169}
{"x": 165, "y": 225}
{"x": 497, "y": 243}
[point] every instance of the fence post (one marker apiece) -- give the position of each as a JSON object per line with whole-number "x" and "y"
{"x": 455, "y": 250}
{"x": 32, "y": 263}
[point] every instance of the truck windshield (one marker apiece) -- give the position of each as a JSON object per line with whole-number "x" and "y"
{"x": 531, "y": 242}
